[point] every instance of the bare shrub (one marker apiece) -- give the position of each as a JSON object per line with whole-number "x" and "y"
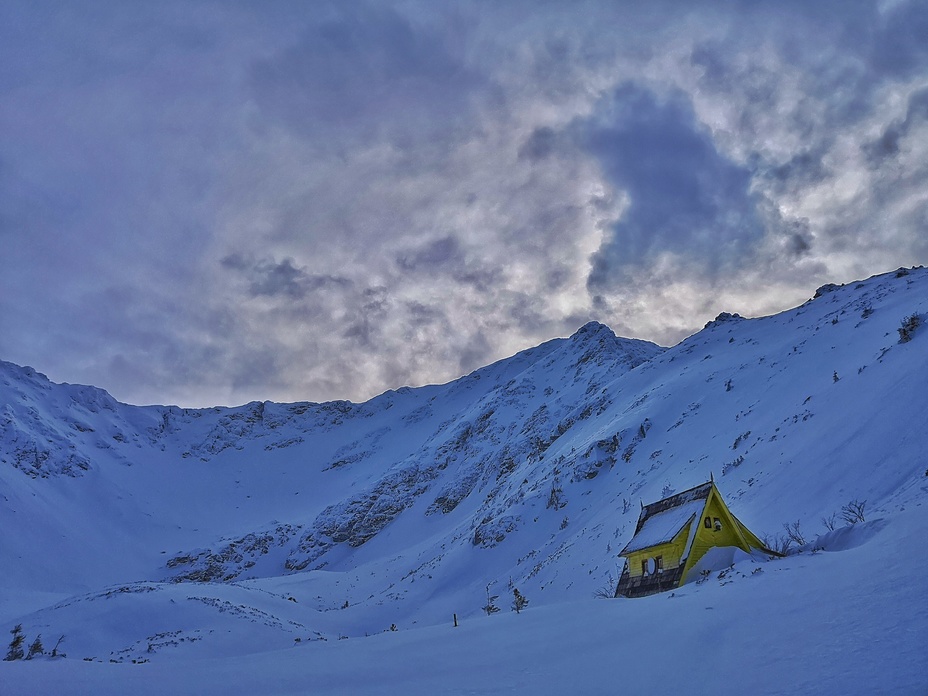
{"x": 781, "y": 543}
{"x": 795, "y": 533}
{"x": 853, "y": 512}
{"x": 607, "y": 589}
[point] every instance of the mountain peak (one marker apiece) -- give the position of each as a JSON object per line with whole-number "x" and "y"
{"x": 597, "y": 342}
{"x": 724, "y": 317}
{"x": 593, "y": 329}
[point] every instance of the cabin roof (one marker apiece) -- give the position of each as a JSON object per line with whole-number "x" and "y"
{"x": 660, "y": 522}
{"x": 664, "y": 526}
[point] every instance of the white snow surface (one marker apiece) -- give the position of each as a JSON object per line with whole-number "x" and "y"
{"x": 271, "y": 548}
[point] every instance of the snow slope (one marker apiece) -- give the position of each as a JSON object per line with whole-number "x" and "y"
{"x": 234, "y": 548}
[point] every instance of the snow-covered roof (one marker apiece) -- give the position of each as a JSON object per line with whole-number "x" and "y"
{"x": 662, "y": 527}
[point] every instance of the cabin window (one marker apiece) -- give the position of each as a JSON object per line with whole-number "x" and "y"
{"x": 708, "y": 523}
{"x": 651, "y": 566}
{"x": 718, "y": 524}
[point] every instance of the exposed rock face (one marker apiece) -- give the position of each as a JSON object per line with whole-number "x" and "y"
{"x": 230, "y": 561}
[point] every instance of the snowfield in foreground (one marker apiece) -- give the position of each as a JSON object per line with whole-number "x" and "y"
{"x": 822, "y": 623}
{"x": 325, "y": 548}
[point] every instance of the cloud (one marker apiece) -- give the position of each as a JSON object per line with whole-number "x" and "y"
{"x": 364, "y": 71}
{"x": 540, "y": 144}
{"x": 432, "y": 256}
{"x": 796, "y": 97}
{"x": 898, "y": 48}
{"x": 683, "y": 195}
{"x": 887, "y": 145}
{"x": 212, "y": 203}
{"x": 274, "y": 278}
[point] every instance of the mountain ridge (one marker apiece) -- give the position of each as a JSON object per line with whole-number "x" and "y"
{"x": 401, "y": 510}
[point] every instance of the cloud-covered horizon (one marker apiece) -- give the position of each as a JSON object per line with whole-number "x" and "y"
{"x": 209, "y": 203}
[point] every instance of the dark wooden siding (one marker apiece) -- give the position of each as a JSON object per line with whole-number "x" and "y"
{"x": 643, "y": 585}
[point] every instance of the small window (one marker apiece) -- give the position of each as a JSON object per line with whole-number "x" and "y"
{"x": 659, "y": 564}
{"x": 718, "y": 524}
{"x": 708, "y": 523}
{"x": 644, "y": 566}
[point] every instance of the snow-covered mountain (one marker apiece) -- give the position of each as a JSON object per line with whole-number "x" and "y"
{"x": 154, "y": 534}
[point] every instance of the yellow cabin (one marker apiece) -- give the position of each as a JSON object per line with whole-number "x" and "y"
{"x": 674, "y": 533}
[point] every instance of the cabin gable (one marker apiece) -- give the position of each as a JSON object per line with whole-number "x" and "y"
{"x": 716, "y": 527}
{"x": 673, "y": 534}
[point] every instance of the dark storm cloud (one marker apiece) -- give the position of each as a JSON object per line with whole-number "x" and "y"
{"x": 364, "y": 325}
{"x": 684, "y": 196}
{"x": 887, "y": 145}
{"x": 447, "y": 258}
{"x": 842, "y": 54}
{"x": 272, "y": 278}
{"x": 804, "y": 168}
{"x": 794, "y": 236}
{"x": 539, "y": 144}
{"x": 432, "y": 256}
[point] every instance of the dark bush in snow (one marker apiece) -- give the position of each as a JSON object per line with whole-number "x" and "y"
{"x": 907, "y": 330}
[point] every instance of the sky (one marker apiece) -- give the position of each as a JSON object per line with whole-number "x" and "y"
{"x": 208, "y": 203}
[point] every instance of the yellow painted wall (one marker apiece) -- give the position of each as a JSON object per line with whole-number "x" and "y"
{"x": 671, "y": 553}
{"x": 732, "y": 532}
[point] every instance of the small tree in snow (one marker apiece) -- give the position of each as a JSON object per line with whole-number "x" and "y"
{"x": 36, "y": 648}
{"x": 15, "y": 651}
{"x": 518, "y": 601}
{"x": 556, "y": 496}
{"x": 829, "y": 522}
{"x": 490, "y": 607}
